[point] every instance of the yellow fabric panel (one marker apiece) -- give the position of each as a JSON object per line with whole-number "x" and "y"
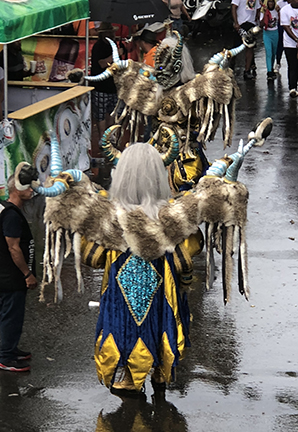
{"x": 193, "y": 168}
{"x": 111, "y": 257}
{"x": 92, "y": 254}
{"x": 194, "y": 243}
{"x": 96, "y": 354}
{"x": 106, "y": 359}
{"x": 140, "y": 362}
{"x": 167, "y": 358}
{"x": 171, "y": 296}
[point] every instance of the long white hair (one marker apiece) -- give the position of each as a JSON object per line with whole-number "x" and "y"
{"x": 187, "y": 72}
{"x": 140, "y": 180}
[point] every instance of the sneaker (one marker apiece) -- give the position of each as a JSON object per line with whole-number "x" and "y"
{"x": 247, "y": 75}
{"x": 293, "y": 93}
{"x": 271, "y": 76}
{"x": 277, "y": 68}
{"x": 22, "y": 355}
{"x": 14, "y": 366}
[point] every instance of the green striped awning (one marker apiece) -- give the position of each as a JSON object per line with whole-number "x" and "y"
{"x": 22, "y": 18}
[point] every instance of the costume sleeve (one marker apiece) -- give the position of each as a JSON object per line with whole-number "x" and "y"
{"x": 93, "y": 255}
{"x": 12, "y": 224}
{"x": 191, "y": 246}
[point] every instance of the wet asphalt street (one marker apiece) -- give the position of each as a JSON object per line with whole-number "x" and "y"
{"x": 241, "y": 373}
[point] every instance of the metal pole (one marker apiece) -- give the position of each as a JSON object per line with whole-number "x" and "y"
{"x": 5, "y": 68}
{"x": 87, "y": 51}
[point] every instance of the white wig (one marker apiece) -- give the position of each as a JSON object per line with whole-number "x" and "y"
{"x": 187, "y": 72}
{"x": 140, "y": 180}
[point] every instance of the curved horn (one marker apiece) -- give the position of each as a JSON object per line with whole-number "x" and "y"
{"x": 110, "y": 151}
{"x": 116, "y": 57}
{"x": 61, "y": 184}
{"x": 173, "y": 150}
{"x": 56, "y": 161}
{"x": 101, "y": 77}
{"x": 178, "y": 49}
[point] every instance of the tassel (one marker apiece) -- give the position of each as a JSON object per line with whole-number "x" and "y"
{"x": 77, "y": 256}
{"x": 210, "y": 266}
{"x": 68, "y": 243}
{"x": 242, "y": 265}
{"x": 56, "y": 261}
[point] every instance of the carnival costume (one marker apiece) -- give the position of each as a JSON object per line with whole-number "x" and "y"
{"x": 143, "y": 321}
{"x": 141, "y": 236}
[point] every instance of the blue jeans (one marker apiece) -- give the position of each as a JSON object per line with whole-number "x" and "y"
{"x": 270, "y": 38}
{"x": 12, "y": 312}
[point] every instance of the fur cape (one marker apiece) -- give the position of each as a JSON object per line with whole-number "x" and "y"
{"x": 81, "y": 211}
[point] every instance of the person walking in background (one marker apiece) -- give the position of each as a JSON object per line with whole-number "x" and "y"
{"x": 269, "y": 22}
{"x": 17, "y": 268}
{"x": 289, "y": 21}
{"x": 245, "y": 13}
{"x": 280, "y": 47}
{"x": 177, "y": 9}
{"x": 104, "y": 97}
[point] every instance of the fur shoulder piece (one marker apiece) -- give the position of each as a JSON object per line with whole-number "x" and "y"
{"x": 83, "y": 211}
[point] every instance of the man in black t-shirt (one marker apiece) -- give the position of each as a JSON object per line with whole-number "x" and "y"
{"x": 104, "y": 97}
{"x": 17, "y": 270}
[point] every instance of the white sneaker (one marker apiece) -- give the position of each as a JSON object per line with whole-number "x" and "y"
{"x": 277, "y": 68}
{"x": 293, "y": 93}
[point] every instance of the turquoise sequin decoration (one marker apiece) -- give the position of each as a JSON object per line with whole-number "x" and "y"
{"x": 138, "y": 281}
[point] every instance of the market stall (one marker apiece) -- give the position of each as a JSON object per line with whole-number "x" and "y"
{"x": 25, "y": 133}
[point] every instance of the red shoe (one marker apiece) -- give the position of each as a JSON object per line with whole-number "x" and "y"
{"x": 15, "y": 366}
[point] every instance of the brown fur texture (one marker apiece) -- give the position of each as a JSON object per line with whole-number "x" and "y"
{"x": 216, "y": 91}
{"x": 83, "y": 211}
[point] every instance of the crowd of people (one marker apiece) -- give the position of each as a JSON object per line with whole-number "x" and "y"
{"x": 279, "y": 21}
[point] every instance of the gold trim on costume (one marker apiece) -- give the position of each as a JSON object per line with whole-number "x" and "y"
{"x": 171, "y": 296}
{"x": 167, "y": 358}
{"x": 111, "y": 257}
{"x": 106, "y": 359}
{"x": 140, "y": 362}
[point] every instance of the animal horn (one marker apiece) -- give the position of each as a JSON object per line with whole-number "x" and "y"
{"x": 110, "y": 151}
{"x": 178, "y": 49}
{"x": 173, "y": 150}
{"x": 116, "y": 57}
{"x": 117, "y": 65}
{"x": 56, "y": 161}
{"x": 61, "y": 184}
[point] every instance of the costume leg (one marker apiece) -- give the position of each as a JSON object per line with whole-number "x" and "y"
{"x": 12, "y": 312}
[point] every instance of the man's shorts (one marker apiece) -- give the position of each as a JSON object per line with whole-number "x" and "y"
{"x": 102, "y": 104}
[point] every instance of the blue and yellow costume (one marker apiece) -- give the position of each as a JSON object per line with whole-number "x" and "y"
{"x": 143, "y": 320}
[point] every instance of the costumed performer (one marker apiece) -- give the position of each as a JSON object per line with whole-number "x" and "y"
{"x": 143, "y": 321}
{"x": 145, "y": 240}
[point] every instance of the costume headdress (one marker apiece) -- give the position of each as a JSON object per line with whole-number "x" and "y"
{"x": 168, "y": 63}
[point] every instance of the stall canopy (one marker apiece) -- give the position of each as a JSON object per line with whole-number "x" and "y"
{"x": 128, "y": 12}
{"x": 27, "y": 17}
